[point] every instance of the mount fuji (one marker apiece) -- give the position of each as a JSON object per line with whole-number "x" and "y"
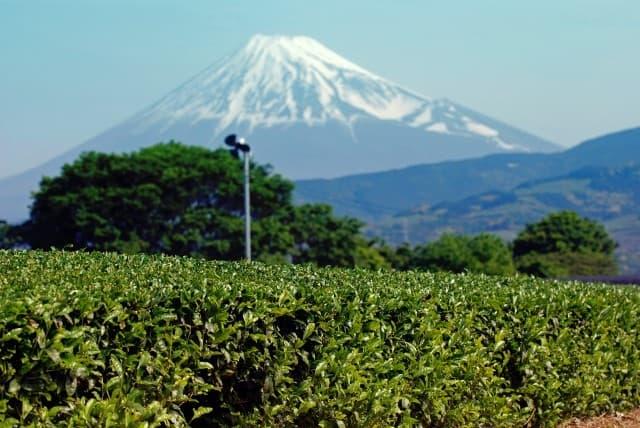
{"x": 304, "y": 109}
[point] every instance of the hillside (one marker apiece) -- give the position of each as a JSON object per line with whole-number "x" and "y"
{"x": 374, "y": 196}
{"x": 610, "y": 195}
{"x": 95, "y": 339}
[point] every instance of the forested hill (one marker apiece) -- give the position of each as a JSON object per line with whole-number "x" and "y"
{"x": 373, "y": 196}
{"x": 609, "y": 195}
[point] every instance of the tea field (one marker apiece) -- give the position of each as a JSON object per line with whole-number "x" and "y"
{"x": 89, "y": 339}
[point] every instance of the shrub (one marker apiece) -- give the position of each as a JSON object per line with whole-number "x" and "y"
{"x": 104, "y": 339}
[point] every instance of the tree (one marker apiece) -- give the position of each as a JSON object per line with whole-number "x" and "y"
{"x": 483, "y": 253}
{"x": 323, "y": 239}
{"x": 388, "y": 257}
{"x": 185, "y": 200}
{"x": 449, "y": 253}
{"x": 5, "y": 241}
{"x": 490, "y": 255}
{"x": 168, "y": 198}
{"x": 565, "y": 244}
{"x": 400, "y": 258}
{"x": 559, "y": 265}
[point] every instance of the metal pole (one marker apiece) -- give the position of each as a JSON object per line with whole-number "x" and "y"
{"x": 247, "y": 209}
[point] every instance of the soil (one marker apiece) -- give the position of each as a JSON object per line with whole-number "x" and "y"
{"x": 618, "y": 420}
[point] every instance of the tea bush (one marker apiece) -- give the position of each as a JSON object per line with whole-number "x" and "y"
{"x": 105, "y": 339}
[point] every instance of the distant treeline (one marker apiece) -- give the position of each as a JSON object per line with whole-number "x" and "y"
{"x": 185, "y": 200}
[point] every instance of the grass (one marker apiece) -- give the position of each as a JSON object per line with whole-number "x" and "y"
{"x": 98, "y": 339}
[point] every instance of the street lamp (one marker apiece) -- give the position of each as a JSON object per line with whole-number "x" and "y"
{"x": 239, "y": 145}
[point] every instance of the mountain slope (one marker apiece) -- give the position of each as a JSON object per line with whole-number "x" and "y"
{"x": 283, "y": 83}
{"x": 373, "y": 196}
{"x": 304, "y": 109}
{"x": 609, "y": 195}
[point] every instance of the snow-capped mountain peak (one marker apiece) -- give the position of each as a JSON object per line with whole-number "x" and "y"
{"x": 307, "y": 111}
{"x": 277, "y": 80}
{"x": 281, "y": 49}
{"x": 282, "y": 80}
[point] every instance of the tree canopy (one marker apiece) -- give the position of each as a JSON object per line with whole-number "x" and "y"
{"x": 565, "y": 244}
{"x": 186, "y": 200}
{"x": 5, "y": 241}
{"x": 459, "y": 253}
{"x": 166, "y": 198}
{"x": 323, "y": 239}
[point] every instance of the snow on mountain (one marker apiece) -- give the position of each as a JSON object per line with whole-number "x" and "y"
{"x": 278, "y": 80}
{"x": 284, "y": 80}
{"x": 304, "y": 109}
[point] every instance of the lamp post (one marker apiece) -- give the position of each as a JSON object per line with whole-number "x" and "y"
{"x": 239, "y": 145}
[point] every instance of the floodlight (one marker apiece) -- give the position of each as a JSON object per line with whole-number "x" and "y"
{"x": 240, "y": 145}
{"x": 231, "y": 140}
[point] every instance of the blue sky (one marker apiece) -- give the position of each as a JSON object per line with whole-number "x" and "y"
{"x": 566, "y": 70}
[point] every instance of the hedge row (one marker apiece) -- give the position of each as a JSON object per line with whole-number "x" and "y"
{"x": 105, "y": 339}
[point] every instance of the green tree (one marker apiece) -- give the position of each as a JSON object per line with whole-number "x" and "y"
{"x": 377, "y": 254}
{"x": 167, "y": 198}
{"x": 558, "y": 265}
{"x": 483, "y": 253}
{"x": 185, "y": 200}
{"x": 324, "y": 239}
{"x": 400, "y": 258}
{"x": 490, "y": 255}
{"x": 5, "y": 241}
{"x": 374, "y": 254}
{"x": 565, "y": 244}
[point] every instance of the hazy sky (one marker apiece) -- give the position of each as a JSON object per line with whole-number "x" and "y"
{"x": 565, "y": 70}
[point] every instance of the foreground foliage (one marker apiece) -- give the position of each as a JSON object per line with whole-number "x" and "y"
{"x": 105, "y": 339}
